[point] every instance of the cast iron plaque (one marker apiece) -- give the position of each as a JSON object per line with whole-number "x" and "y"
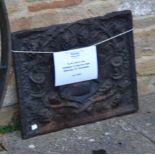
{"x": 46, "y": 108}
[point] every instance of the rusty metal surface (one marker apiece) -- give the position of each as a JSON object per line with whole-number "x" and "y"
{"x": 51, "y": 108}
{"x": 5, "y": 49}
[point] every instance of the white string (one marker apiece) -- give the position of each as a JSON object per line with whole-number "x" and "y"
{"x": 113, "y": 37}
{"x": 40, "y": 52}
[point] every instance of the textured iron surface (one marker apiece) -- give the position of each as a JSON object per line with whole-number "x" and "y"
{"x": 4, "y": 49}
{"x": 52, "y": 108}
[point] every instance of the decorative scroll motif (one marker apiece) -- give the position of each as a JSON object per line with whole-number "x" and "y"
{"x": 53, "y": 108}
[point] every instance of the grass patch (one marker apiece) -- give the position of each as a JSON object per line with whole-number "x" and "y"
{"x": 9, "y": 128}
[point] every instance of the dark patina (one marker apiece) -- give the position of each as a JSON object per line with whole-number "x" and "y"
{"x": 52, "y": 108}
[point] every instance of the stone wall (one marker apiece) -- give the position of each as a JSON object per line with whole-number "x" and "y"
{"x": 27, "y": 14}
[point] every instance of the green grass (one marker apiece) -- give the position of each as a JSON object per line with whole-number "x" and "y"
{"x": 9, "y": 128}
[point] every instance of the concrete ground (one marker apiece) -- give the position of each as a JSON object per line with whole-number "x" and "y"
{"x": 133, "y": 133}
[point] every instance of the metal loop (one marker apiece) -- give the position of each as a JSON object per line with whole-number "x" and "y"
{"x": 5, "y": 49}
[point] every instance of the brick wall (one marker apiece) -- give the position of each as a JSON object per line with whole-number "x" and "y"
{"x": 26, "y": 14}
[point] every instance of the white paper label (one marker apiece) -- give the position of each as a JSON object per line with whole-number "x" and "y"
{"x": 75, "y": 66}
{"x": 34, "y": 127}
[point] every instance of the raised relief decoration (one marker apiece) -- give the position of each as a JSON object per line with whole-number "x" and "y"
{"x": 47, "y": 108}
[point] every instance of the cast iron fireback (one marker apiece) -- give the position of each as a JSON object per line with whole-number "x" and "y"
{"x": 46, "y": 108}
{"x": 4, "y": 49}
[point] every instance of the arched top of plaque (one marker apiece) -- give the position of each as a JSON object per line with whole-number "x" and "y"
{"x": 5, "y": 49}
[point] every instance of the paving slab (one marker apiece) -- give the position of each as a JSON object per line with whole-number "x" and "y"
{"x": 3, "y": 152}
{"x": 113, "y": 136}
{"x": 134, "y": 133}
{"x": 144, "y": 120}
